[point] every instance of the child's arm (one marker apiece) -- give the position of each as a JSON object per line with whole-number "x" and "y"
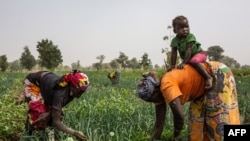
{"x": 188, "y": 52}
{"x": 173, "y": 58}
{"x": 187, "y": 55}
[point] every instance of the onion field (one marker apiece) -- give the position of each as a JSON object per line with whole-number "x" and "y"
{"x": 105, "y": 112}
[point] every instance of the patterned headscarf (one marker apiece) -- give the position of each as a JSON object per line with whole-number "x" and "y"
{"x": 146, "y": 86}
{"x": 76, "y": 79}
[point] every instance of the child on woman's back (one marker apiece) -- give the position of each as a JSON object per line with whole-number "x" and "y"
{"x": 189, "y": 49}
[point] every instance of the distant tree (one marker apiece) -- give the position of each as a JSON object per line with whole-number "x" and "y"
{"x": 15, "y": 66}
{"x": 76, "y": 65}
{"x": 168, "y": 37}
{"x": 106, "y": 66}
{"x": 230, "y": 62}
{"x": 245, "y": 67}
{"x": 145, "y": 61}
{"x": 97, "y": 66}
{"x": 59, "y": 68}
{"x": 114, "y": 64}
{"x": 63, "y": 68}
{"x": 27, "y": 60}
{"x": 3, "y": 63}
{"x": 122, "y": 59}
{"x": 168, "y": 57}
{"x": 100, "y": 58}
{"x": 49, "y": 54}
{"x": 215, "y": 53}
{"x": 156, "y": 66}
{"x": 134, "y": 64}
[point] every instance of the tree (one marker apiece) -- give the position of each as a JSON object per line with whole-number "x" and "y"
{"x": 100, "y": 58}
{"x": 245, "y": 67}
{"x": 15, "y": 65}
{"x": 122, "y": 59}
{"x": 76, "y": 65}
{"x": 134, "y": 64}
{"x": 3, "y": 63}
{"x": 230, "y": 62}
{"x": 169, "y": 36}
{"x": 49, "y": 54}
{"x": 168, "y": 57}
{"x": 27, "y": 60}
{"x": 106, "y": 66}
{"x": 145, "y": 62}
{"x": 97, "y": 66}
{"x": 157, "y": 66}
{"x": 215, "y": 53}
{"x": 114, "y": 64}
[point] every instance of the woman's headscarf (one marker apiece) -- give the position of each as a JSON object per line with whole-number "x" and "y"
{"x": 147, "y": 85}
{"x": 76, "y": 79}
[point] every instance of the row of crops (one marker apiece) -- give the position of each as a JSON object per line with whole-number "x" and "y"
{"x": 105, "y": 112}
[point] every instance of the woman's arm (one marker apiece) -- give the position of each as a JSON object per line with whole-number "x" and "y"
{"x": 177, "y": 111}
{"x": 56, "y": 122}
{"x": 160, "y": 111}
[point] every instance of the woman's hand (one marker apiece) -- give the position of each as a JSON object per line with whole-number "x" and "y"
{"x": 181, "y": 66}
{"x": 80, "y": 136}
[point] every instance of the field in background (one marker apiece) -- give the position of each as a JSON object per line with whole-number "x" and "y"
{"x": 105, "y": 112}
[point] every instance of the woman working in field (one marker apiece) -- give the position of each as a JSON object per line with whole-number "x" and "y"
{"x": 114, "y": 77}
{"x": 47, "y": 93}
{"x": 213, "y": 103}
{"x": 209, "y": 109}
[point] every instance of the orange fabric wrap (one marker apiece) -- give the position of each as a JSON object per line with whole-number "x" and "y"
{"x": 178, "y": 82}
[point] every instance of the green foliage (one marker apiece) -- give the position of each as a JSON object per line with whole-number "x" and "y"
{"x": 49, "y": 54}
{"x": 105, "y": 112}
{"x": 230, "y": 62}
{"x": 3, "y": 63}
{"x": 27, "y": 60}
{"x": 114, "y": 64}
{"x": 15, "y": 66}
{"x": 145, "y": 62}
{"x": 241, "y": 72}
{"x": 243, "y": 98}
{"x": 122, "y": 60}
{"x": 12, "y": 116}
{"x": 100, "y": 58}
{"x": 134, "y": 64}
{"x": 215, "y": 53}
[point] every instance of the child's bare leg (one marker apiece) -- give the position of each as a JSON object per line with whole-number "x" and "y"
{"x": 203, "y": 72}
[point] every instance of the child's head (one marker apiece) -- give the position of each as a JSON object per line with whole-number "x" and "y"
{"x": 180, "y": 26}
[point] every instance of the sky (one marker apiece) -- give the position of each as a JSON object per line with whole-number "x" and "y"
{"x": 85, "y": 29}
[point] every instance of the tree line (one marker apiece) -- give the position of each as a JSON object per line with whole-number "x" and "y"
{"x": 50, "y": 57}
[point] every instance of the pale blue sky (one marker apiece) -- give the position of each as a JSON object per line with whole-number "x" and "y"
{"x": 85, "y": 29}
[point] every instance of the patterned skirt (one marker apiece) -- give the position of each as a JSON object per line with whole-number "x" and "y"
{"x": 218, "y": 107}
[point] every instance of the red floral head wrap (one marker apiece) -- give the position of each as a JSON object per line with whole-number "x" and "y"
{"x": 76, "y": 79}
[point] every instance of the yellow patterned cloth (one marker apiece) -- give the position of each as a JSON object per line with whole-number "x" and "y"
{"x": 209, "y": 110}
